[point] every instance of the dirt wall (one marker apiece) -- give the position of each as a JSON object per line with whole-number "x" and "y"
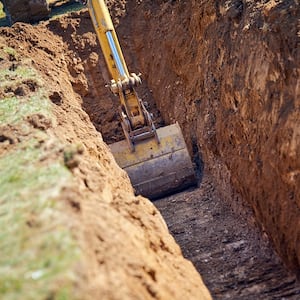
{"x": 126, "y": 251}
{"x": 229, "y": 73}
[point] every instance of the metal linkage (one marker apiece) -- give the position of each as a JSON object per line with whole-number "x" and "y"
{"x": 128, "y": 82}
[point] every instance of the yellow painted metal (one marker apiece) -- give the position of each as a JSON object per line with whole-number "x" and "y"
{"x": 157, "y": 169}
{"x": 102, "y": 23}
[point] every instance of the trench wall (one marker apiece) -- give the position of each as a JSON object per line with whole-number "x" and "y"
{"x": 229, "y": 73}
{"x": 75, "y": 229}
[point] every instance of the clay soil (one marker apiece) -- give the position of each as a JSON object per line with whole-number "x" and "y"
{"x": 118, "y": 245}
{"x": 235, "y": 259}
{"x": 223, "y": 240}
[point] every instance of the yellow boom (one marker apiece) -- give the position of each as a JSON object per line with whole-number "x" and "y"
{"x": 136, "y": 121}
{"x": 157, "y": 160}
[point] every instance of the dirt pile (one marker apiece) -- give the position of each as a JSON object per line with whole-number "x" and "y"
{"x": 125, "y": 249}
{"x": 229, "y": 73}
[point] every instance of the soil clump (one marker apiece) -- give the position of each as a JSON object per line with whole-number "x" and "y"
{"x": 229, "y": 74}
{"x": 126, "y": 249}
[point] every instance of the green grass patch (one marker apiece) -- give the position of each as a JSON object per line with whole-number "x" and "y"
{"x": 14, "y": 109}
{"x": 56, "y": 11}
{"x": 3, "y": 20}
{"x": 37, "y": 248}
{"x": 10, "y": 51}
{"x": 17, "y": 74}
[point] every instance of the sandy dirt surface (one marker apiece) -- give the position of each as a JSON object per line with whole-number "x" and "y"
{"x": 124, "y": 248}
{"x": 234, "y": 258}
{"x": 228, "y": 72}
{"x": 215, "y": 227}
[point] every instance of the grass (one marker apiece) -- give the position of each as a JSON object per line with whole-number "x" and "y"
{"x": 14, "y": 109}
{"x": 55, "y": 12}
{"x": 10, "y": 51}
{"x": 3, "y": 21}
{"x": 38, "y": 249}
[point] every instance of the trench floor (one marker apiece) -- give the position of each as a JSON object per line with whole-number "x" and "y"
{"x": 234, "y": 258}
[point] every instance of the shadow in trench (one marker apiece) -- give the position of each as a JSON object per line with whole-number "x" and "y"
{"x": 197, "y": 160}
{"x": 234, "y": 258}
{"x": 85, "y": 64}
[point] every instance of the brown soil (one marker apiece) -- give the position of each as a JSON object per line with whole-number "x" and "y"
{"x": 235, "y": 259}
{"x": 128, "y": 252}
{"x": 199, "y": 69}
{"x": 229, "y": 73}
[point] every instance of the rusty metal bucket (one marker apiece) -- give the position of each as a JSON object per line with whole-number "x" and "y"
{"x": 156, "y": 170}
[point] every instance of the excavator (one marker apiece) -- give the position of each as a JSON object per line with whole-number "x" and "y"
{"x": 156, "y": 159}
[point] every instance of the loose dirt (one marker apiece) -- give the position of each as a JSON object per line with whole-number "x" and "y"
{"x": 228, "y": 72}
{"x": 234, "y": 257}
{"x": 218, "y": 233}
{"x": 121, "y": 243}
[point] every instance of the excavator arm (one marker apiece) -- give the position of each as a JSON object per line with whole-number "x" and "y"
{"x": 157, "y": 160}
{"x": 135, "y": 119}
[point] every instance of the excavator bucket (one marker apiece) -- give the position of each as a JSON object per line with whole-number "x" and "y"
{"x": 156, "y": 170}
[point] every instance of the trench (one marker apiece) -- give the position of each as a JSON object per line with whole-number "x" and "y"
{"x": 233, "y": 256}
{"x": 222, "y": 239}
{"x": 214, "y": 226}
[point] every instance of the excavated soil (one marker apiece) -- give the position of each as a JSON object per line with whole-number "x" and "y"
{"x": 228, "y": 72}
{"x": 192, "y": 60}
{"x": 127, "y": 251}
